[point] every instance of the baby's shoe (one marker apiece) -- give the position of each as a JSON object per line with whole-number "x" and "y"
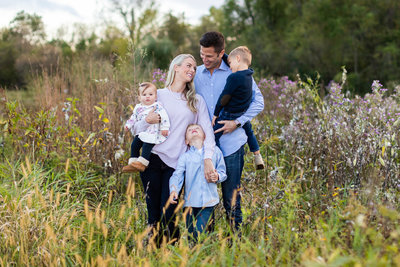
{"x": 130, "y": 167}
{"x": 259, "y": 162}
{"x": 141, "y": 164}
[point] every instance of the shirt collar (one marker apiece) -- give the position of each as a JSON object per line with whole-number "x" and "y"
{"x": 222, "y": 66}
{"x": 194, "y": 149}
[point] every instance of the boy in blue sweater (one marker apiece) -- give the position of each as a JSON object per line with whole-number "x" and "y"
{"x": 201, "y": 195}
{"x": 236, "y": 97}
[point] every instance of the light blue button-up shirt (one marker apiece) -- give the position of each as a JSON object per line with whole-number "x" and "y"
{"x": 198, "y": 192}
{"x": 210, "y": 87}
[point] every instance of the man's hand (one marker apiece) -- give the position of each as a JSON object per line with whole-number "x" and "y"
{"x": 164, "y": 133}
{"x": 173, "y": 197}
{"x": 153, "y": 117}
{"x": 213, "y": 120}
{"x": 208, "y": 169}
{"x": 229, "y": 126}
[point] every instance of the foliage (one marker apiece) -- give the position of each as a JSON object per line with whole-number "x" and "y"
{"x": 329, "y": 195}
{"x": 290, "y": 37}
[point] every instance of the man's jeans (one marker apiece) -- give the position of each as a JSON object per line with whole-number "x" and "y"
{"x": 230, "y": 194}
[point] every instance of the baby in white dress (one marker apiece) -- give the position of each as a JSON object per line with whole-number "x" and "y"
{"x": 154, "y": 133}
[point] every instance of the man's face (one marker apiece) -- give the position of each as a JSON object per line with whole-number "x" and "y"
{"x": 210, "y": 58}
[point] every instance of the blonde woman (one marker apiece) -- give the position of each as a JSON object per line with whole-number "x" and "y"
{"x": 183, "y": 107}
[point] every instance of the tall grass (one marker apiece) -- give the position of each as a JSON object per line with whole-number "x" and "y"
{"x": 329, "y": 195}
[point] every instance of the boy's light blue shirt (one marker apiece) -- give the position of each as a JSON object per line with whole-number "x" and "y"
{"x": 198, "y": 192}
{"x": 210, "y": 87}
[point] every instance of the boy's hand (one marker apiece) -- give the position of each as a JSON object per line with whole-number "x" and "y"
{"x": 173, "y": 197}
{"x": 214, "y": 177}
{"x": 213, "y": 120}
{"x": 164, "y": 133}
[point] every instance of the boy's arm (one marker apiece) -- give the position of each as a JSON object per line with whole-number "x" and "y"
{"x": 132, "y": 120}
{"x": 220, "y": 165}
{"x": 226, "y": 94}
{"x": 256, "y": 106}
{"x": 176, "y": 180}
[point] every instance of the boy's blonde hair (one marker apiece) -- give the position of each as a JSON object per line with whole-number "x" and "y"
{"x": 244, "y": 53}
{"x": 190, "y": 125}
{"x": 144, "y": 86}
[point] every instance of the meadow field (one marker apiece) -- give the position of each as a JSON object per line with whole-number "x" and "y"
{"x": 328, "y": 197}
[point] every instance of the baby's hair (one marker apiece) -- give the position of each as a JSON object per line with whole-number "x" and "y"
{"x": 243, "y": 52}
{"x": 145, "y": 85}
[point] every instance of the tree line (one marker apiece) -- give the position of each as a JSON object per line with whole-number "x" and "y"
{"x": 286, "y": 37}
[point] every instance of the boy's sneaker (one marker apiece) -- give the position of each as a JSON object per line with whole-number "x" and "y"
{"x": 259, "y": 162}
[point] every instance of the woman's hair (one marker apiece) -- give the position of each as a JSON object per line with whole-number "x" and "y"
{"x": 189, "y": 92}
{"x": 144, "y": 86}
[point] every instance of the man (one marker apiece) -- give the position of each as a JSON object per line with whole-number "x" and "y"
{"x": 209, "y": 82}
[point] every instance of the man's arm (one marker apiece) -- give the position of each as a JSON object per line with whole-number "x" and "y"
{"x": 256, "y": 106}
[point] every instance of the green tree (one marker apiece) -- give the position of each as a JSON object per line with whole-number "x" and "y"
{"x": 139, "y": 17}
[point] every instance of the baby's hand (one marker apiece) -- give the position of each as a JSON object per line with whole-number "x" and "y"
{"x": 213, "y": 120}
{"x": 173, "y": 197}
{"x": 164, "y": 133}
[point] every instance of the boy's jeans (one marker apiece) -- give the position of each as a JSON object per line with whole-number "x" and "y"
{"x": 197, "y": 220}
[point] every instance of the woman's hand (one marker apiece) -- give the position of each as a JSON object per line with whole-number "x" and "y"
{"x": 208, "y": 169}
{"x": 153, "y": 117}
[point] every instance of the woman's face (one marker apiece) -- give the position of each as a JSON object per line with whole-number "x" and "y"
{"x": 186, "y": 71}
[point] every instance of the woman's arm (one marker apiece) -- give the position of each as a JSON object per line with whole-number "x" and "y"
{"x": 209, "y": 142}
{"x": 204, "y": 121}
{"x": 143, "y": 124}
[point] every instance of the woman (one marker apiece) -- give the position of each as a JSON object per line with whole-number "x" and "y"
{"x": 184, "y": 107}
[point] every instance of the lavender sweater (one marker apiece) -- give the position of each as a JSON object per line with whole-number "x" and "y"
{"x": 180, "y": 117}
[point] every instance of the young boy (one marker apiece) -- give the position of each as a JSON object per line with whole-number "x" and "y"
{"x": 201, "y": 195}
{"x": 236, "y": 97}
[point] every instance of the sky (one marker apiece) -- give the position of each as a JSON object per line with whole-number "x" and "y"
{"x": 57, "y": 13}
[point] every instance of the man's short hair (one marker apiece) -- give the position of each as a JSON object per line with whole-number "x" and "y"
{"x": 213, "y": 39}
{"x": 244, "y": 53}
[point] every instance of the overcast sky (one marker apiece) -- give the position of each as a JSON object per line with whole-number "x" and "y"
{"x": 57, "y": 13}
